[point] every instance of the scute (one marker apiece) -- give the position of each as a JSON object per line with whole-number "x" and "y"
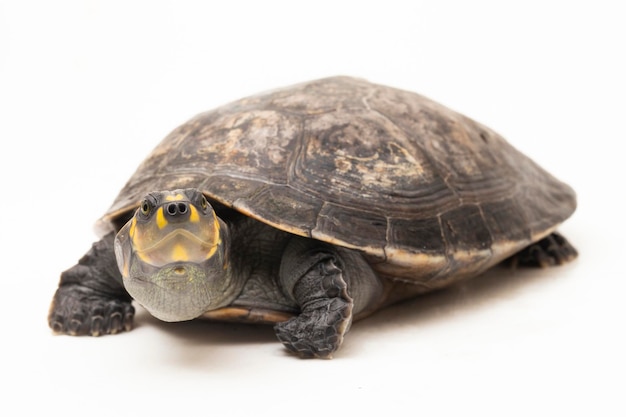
{"x": 413, "y": 184}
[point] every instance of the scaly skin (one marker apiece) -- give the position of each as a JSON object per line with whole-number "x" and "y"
{"x": 90, "y": 299}
{"x": 326, "y": 313}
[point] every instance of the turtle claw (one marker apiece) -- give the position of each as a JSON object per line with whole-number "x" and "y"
{"x": 75, "y": 313}
{"x": 74, "y": 327}
{"x": 318, "y": 331}
{"x": 96, "y": 325}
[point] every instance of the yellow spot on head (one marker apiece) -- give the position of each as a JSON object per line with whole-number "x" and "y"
{"x": 175, "y": 197}
{"x": 216, "y": 229}
{"x": 133, "y": 226}
{"x": 193, "y": 216}
{"x": 161, "y": 221}
{"x": 180, "y": 253}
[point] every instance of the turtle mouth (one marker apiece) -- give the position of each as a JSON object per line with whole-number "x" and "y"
{"x": 178, "y": 246}
{"x": 176, "y": 273}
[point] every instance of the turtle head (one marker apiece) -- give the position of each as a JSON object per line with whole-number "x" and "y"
{"x": 172, "y": 253}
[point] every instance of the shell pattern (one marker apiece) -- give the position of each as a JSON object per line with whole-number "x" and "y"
{"x": 429, "y": 195}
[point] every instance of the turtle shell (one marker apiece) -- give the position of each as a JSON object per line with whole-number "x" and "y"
{"x": 423, "y": 191}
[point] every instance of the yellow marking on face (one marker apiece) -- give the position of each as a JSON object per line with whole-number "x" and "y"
{"x": 133, "y": 226}
{"x": 161, "y": 221}
{"x": 175, "y": 197}
{"x": 216, "y": 229}
{"x": 180, "y": 253}
{"x": 218, "y": 238}
{"x": 194, "y": 217}
{"x": 211, "y": 252}
{"x": 142, "y": 256}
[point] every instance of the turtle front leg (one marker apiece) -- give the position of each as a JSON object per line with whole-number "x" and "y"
{"x": 91, "y": 298}
{"x": 312, "y": 276}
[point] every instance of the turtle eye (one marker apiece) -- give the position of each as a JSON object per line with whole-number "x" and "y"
{"x": 145, "y": 207}
{"x": 204, "y": 204}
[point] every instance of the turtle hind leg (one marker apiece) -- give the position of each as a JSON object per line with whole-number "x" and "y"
{"x": 552, "y": 250}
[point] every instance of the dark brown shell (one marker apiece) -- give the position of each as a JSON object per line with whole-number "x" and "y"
{"x": 429, "y": 194}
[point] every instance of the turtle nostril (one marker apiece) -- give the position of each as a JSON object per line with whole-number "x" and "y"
{"x": 177, "y": 209}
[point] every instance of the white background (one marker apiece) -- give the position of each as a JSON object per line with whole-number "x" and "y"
{"x": 87, "y": 88}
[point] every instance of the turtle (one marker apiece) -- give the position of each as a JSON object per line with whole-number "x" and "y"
{"x": 309, "y": 207}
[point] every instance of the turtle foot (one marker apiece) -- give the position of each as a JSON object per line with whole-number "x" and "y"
{"x": 313, "y": 275}
{"x": 76, "y": 312}
{"x": 318, "y": 331}
{"x": 552, "y": 250}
